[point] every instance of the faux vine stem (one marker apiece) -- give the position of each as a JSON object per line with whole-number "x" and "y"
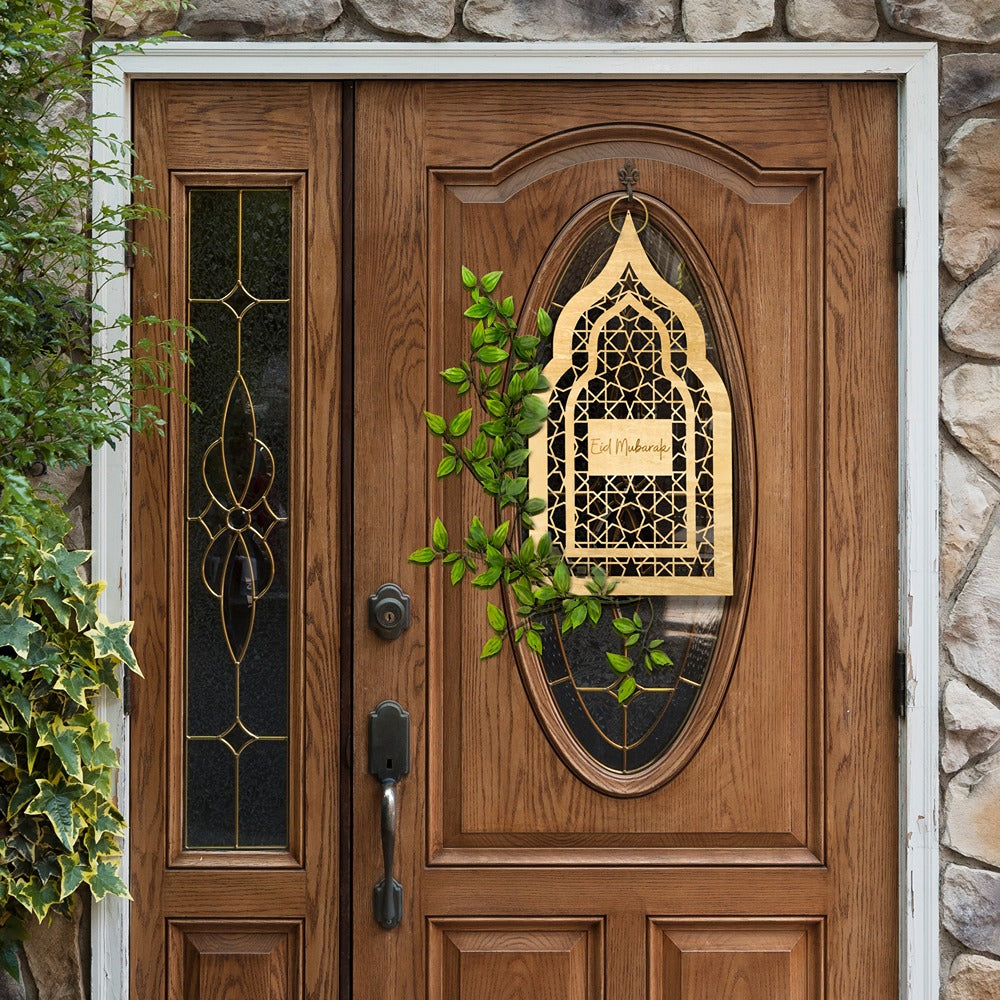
{"x": 505, "y": 381}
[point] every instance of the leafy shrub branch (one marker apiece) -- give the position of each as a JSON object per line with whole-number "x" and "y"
{"x": 60, "y": 397}
{"x": 505, "y": 379}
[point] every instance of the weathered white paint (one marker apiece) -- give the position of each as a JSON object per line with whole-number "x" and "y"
{"x": 915, "y": 66}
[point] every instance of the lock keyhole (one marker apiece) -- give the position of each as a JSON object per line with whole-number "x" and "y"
{"x": 389, "y": 611}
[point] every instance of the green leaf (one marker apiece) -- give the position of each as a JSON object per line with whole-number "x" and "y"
{"x": 439, "y": 536}
{"x": 491, "y": 647}
{"x": 460, "y": 423}
{"x": 534, "y": 506}
{"x": 561, "y": 578}
{"x": 507, "y": 307}
{"x": 111, "y": 640}
{"x": 488, "y": 579}
{"x": 478, "y": 310}
{"x": 534, "y": 642}
{"x": 522, "y": 591}
{"x": 534, "y": 408}
{"x": 423, "y": 556}
{"x": 498, "y": 620}
{"x": 15, "y": 628}
{"x": 623, "y": 626}
{"x": 500, "y": 535}
{"x": 491, "y": 280}
{"x": 52, "y": 732}
{"x": 545, "y": 542}
{"x": 55, "y": 801}
{"x": 447, "y": 466}
{"x": 457, "y": 571}
{"x": 619, "y": 664}
{"x": 490, "y": 355}
{"x": 516, "y": 458}
{"x": 105, "y": 882}
{"x": 660, "y": 658}
{"x": 544, "y": 323}
{"x": 71, "y": 874}
{"x": 453, "y": 376}
{"x": 468, "y": 278}
{"x": 578, "y": 615}
{"x": 435, "y": 424}
{"x": 626, "y": 688}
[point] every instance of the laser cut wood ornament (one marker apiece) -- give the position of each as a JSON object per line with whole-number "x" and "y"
{"x": 635, "y": 459}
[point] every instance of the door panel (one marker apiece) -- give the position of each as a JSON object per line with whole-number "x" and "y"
{"x": 740, "y": 790}
{"x": 788, "y": 191}
{"x": 214, "y": 914}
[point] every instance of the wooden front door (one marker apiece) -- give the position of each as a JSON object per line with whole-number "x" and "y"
{"x": 750, "y": 849}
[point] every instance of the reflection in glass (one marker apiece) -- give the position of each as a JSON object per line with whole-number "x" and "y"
{"x": 239, "y": 260}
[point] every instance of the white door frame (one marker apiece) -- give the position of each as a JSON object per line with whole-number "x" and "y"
{"x": 914, "y": 65}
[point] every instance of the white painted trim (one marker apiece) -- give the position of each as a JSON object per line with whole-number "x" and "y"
{"x": 110, "y": 536}
{"x": 918, "y": 431}
{"x": 915, "y": 66}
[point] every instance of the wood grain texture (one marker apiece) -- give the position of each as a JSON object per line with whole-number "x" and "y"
{"x": 767, "y": 863}
{"x": 741, "y": 790}
{"x": 391, "y": 452}
{"x": 182, "y": 131}
{"x": 545, "y": 959}
{"x": 743, "y": 960}
{"x": 775, "y": 782}
{"x": 230, "y": 960}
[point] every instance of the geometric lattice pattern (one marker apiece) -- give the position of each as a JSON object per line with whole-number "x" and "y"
{"x": 635, "y": 460}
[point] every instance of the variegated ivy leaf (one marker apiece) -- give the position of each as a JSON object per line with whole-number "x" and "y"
{"x": 55, "y": 800}
{"x": 53, "y": 732}
{"x": 111, "y": 639}
{"x": 35, "y": 895}
{"x": 71, "y": 874}
{"x": 105, "y": 881}
{"x": 15, "y": 628}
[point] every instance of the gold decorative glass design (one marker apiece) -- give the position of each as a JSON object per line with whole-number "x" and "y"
{"x": 236, "y": 720}
{"x": 635, "y": 459}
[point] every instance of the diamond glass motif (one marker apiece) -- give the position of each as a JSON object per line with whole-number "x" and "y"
{"x": 237, "y": 682}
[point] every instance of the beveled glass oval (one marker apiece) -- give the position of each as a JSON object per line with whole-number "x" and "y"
{"x": 626, "y": 748}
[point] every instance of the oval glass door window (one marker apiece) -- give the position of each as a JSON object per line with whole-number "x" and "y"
{"x": 640, "y": 344}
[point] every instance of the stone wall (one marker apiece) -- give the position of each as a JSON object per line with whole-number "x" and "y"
{"x": 969, "y": 35}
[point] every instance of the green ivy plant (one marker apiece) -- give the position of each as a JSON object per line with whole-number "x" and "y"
{"x": 59, "y": 826}
{"x": 505, "y": 379}
{"x": 60, "y": 397}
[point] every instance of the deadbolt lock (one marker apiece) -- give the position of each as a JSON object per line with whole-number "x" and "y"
{"x": 389, "y": 611}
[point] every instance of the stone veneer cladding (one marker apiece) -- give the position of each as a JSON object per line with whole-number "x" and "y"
{"x": 969, "y": 36}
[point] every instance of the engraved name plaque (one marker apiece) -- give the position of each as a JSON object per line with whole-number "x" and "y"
{"x": 635, "y": 459}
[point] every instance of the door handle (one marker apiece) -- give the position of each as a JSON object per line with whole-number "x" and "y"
{"x": 389, "y": 761}
{"x": 388, "y": 892}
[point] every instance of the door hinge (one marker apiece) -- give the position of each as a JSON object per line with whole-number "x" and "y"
{"x": 899, "y": 693}
{"x": 130, "y": 243}
{"x": 899, "y": 239}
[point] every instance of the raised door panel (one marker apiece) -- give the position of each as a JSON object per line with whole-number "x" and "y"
{"x": 515, "y": 959}
{"x": 754, "y": 786}
{"x": 235, "y": 960}
{"x": 739, "y": 960}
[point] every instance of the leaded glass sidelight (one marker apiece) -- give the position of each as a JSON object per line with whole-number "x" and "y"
{"x": 635, "y": 465}
{"x": 237, "y": 678}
